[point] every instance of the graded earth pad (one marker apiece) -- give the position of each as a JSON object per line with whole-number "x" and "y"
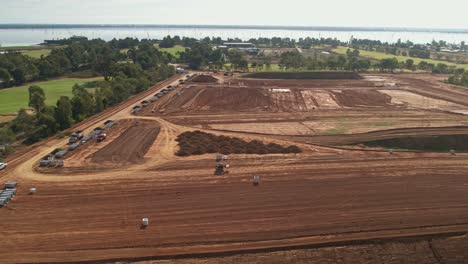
{"x": 349, "y": 203}
{"x": 131, "y": 146}
{"x": 353, "y": 98}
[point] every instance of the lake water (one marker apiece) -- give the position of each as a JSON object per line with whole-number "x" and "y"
{"x": 24, "y": 35}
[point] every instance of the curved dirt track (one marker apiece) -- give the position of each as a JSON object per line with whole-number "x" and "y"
{"x": 323, "y": 196}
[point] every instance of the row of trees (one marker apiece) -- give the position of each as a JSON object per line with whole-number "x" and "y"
{"x": 353, "y": 62}
{"x": 459, "y": 79}
{"x": 95, "y": 55}
{"x": 47, "y": 120}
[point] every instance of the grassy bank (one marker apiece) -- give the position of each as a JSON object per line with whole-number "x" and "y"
{"x": 174, "y": 50}
{"x": 33, "y": 51}
{"x": 15, "y": 98}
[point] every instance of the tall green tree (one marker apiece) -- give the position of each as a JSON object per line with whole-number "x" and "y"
{"x": 36, "y": 98}
{"x": 6, "y": 136}
{"x": 63, "y": 113}
{"x": 291, "y": 59}
{"x": 5, "y": 76}
{"x": 82, "y": 103}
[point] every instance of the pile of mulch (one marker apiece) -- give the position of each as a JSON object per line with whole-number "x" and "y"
{"x": 199, "y": 143}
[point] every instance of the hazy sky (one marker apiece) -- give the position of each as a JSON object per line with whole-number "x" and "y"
{"x": 393, "y": 13}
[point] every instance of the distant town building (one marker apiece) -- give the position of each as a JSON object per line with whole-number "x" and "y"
{"x": 243, "y": 46}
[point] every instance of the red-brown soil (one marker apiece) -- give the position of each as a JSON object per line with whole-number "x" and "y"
{"x": 355, "y": 98}
{"x": 131, "y": 146}
{"x": 355, "y": 205}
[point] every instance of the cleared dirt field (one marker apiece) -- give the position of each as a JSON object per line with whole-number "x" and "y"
{"x": 328, "y": 204}
{"x": 131, "y": 146}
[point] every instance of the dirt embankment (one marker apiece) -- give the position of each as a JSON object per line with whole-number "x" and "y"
{"x": 430, "y": 250}
{"x": 204, "y": 79}
{"x": 131, "y": 146}
{"x": 305, "y": 75}
{"x": 198, "y": 143}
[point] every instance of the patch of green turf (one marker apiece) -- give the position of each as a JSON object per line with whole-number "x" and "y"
{"x": 15, "y": 98}
{"x": 36, "y": 53}
{"x": 174, "y": 50}
{"x": 380, "y": 55}
{"x": 383, "y": 123}
{"x": 336, "y": 131}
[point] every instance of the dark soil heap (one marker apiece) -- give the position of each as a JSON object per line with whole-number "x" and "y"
{"x": 198, "y": 143}
{"x": 204, "y": 79}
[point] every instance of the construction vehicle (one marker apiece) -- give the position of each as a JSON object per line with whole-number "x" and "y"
{"x": 221, "y": 169}
{"x": 256, "y": 180}
{"x": 145, "y": 222}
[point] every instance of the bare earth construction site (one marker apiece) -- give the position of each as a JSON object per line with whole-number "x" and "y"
{"x": 338, "y": 200}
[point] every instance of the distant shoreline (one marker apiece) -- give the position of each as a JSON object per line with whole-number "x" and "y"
{"x": 305, "y": 28}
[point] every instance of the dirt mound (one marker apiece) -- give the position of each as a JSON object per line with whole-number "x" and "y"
{"x": 354, "y": 98}
{"x": 131, "y": 146}
{"x": 204, "y": 79}
{"x": 305, "y": 75}
{"x": 198, "y": 143}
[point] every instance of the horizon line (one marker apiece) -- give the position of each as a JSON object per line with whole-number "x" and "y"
{"x": 265, "y": 27}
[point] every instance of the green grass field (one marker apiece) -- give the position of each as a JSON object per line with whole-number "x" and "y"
{"x": 31, "y": 51}
{"x": 36, "y": 53}
{"x": 172, "y": 50}
{"x": 380, "y": 55}
{"x": 15, "y": 98}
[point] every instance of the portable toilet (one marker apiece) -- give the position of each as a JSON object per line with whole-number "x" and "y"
{"x": 145, "y": 221}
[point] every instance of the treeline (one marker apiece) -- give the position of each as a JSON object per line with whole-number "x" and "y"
{"x": 126, "y": 79}
{"x": 353, "y": 62}
{"x": 460, "y": 78}
{"x": 97, "y": 56}
{"x": 350, "y": 62}
{"x": 124, "y": 75}
{"x": 202, "y": 54}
